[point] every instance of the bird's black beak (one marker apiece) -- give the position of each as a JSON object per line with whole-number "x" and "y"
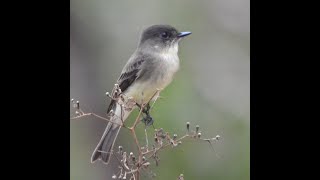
{"x": 183, "y": 34}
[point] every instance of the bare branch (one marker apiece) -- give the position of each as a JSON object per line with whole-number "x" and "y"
{"x": 129, "y": 164}
{"x": 97, "y": 116}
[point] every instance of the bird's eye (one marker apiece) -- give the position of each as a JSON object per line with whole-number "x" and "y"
{"x": 165, "y": 35}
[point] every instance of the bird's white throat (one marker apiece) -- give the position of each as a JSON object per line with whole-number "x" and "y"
{"x": 171, "y": 55}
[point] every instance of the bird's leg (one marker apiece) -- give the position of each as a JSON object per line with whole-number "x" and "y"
{"x": 148, "y": 120}
{"x": 139, "y": 106}
{"x": 146, "y": 108}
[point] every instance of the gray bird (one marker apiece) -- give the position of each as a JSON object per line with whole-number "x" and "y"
{"x": 150, "y": 68}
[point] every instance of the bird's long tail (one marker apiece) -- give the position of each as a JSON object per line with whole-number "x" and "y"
{"x": 104, "y": 147}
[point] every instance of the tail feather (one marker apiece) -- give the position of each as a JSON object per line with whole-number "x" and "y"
{"x": 106, "y": 143}
{"x": 103, "y": 150}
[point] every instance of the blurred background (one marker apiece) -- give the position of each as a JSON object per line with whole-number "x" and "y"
{"x": 211, "y": 88}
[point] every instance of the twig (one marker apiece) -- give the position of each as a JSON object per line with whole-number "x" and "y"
{"x": 129, "y": 163}
{"x": 142, "y": 107}
{"x": 147, "y": 142}
{"x": 95, "y": 115}
{"x": 163, "y": 146}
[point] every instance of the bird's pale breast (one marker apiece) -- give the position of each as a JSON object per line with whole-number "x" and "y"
{"x": 167, "y": 67}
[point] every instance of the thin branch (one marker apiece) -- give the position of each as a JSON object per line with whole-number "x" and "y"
{"x": 163, "y": 146}
{"x": 129, "y": 163}
{"x": 142, "y": 107}
{"x": 121, "y": 114}
{"x": 100, "y": 117}
{"x": 147, "y": 142}
{"x": 135, "y": 139}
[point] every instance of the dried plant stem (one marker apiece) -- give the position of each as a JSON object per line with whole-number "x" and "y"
{"x": 134, "y": 133}
{"x": 135, "y": 139}
{"x": 95, "y": 115}
{"x": 130, "y": 165}
{"x": 147, "y": 141}
{"x": 163, "y": 146}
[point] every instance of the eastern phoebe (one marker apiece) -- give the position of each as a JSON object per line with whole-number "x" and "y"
{"x": 150, "y": 68}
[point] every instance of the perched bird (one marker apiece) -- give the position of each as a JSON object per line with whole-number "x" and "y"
{"x": 150, "y": 68}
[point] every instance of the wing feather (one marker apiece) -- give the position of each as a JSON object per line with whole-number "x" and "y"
{"x": 127, "y": 77}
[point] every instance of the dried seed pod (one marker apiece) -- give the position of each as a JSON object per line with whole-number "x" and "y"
{"x": 217, "y": 137}
{"x": 171, "y": 141}
{"x": 78, "y": 105}
{"x": 175, "y": 136}
{"x": 111, "y": 112}
{"x": 199, "y": 134}
{"x": 197, "y": 128}
{"x": 161, "y": 130}
{"x": 181, "y": 177}
{"x": 146, "y": 164}
{"x": 166, "y": 136}
{"x": 188, "y": 126}
{"x": 120, "y": 149}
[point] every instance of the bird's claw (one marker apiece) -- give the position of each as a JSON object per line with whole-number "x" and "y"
{"x": 147, "y": 120}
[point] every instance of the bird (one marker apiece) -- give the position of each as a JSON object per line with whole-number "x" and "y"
{"x": 149, "y": 70}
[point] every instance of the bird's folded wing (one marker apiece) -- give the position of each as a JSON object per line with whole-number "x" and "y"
{"x": 129, "y": 74}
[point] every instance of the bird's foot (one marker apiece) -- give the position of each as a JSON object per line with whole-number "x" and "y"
{"x": 145, "y": 109}
{"x": 147, "y": 120}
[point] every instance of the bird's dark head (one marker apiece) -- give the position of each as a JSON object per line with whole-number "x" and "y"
{"x": 161, "y": 37}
